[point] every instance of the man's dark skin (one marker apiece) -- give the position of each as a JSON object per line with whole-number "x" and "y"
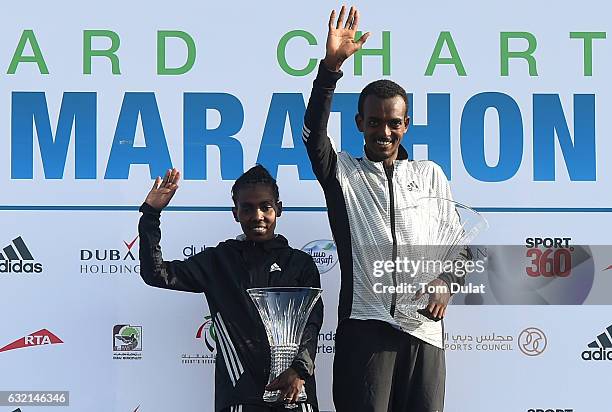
{"x": 383, "y": 121}
{"x": 256, "y": 209}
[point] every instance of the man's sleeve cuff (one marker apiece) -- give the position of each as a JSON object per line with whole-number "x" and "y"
{"x": 300, "y": 369}
{"x": 147, "y": 209}
{"x": 447, "y": 278}
{"x": 327, "y": 77}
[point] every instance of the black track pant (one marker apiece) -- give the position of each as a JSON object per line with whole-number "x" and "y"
{"x": 378, "y": 368}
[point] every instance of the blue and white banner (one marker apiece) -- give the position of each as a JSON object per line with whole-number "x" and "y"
{"x": 96, "y": 99}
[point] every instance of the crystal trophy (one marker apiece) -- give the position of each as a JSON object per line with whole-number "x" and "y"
{"x": 441, "y": 232}
{"x": 284, "y": 312}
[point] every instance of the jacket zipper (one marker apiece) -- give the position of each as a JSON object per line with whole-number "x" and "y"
{"x": 389, "y": 173}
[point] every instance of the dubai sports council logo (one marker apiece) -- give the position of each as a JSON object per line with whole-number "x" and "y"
{"x": 532, "y": 341}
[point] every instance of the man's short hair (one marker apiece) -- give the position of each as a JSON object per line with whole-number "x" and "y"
{"x": 383, "y": 89}
{"x": 254, "y": 176}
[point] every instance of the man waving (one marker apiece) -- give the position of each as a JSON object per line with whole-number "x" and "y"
{"x": 384, "y": 361}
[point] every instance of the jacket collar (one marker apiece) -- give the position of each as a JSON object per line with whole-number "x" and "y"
{"x": 277, "y": 242}
{"x": 399, "y": 163}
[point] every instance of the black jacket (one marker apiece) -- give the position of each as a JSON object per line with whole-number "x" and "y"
{"x": 224, "y": 273}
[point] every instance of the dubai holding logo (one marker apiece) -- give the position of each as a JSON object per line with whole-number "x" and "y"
{"x": 110, "y": 261}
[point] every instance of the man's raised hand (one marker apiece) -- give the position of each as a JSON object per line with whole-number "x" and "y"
{"x": 341, "y": 43}
{"x": 163, "y": 190}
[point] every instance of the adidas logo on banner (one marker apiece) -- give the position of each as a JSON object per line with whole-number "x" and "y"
{"x": 601, "y": 348}
{"x": 16, "y": 258}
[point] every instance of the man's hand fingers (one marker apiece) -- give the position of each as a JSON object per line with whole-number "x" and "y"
{"x": 166, "y": 177}
{"x": 177, "y": 177}
{"x": 285, "y": 393}
{"x": 332, "y": 17}
{"x": 272, "y": 386}
{"x": 170, "y": 178}
{"x": 355, "y": 22}
{"x": 430, "y": 308}
{"x": 167, "y": 190}
{"x": 349, "y": 19}
{"x": 363, "y": 38}
{"x": 341, "y": 17}
{"x": 156, "y": 183}
{"x": 173, "y": 176}
{"x": 440, "y": 310}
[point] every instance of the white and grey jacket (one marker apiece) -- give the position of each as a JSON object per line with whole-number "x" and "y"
{"x": 364, "y": 206}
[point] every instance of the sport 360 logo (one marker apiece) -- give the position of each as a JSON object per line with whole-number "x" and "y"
{"x": 554, "y": 260}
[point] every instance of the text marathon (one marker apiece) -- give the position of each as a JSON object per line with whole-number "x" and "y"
{"x": 79, "y": 112}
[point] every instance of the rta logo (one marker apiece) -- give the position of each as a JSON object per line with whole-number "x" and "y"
{"x": 42, "y": 337}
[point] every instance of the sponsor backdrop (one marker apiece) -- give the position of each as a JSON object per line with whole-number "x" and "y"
{"x": 96, "y": 99}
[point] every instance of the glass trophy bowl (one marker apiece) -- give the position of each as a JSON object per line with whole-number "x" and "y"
{"x": 441, "y": 231}
{"x": 284, "y": 312}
